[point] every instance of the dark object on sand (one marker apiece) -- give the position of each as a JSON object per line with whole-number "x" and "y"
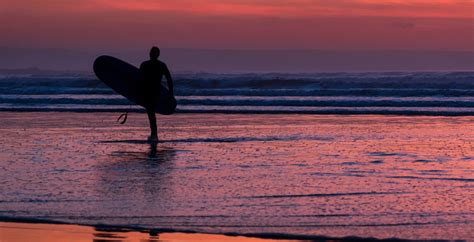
{"x": 126, "y": 80}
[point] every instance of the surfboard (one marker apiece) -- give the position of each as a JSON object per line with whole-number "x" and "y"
{"x": 126, "y": 80}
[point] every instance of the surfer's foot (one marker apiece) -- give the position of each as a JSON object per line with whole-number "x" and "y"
{"x": 153, "y": 138}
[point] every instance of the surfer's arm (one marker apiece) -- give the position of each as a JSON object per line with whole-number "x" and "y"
{"x": 169, "y": 79}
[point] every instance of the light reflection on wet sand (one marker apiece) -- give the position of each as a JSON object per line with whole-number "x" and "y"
{"x": 20, "y": 232}
{"x": 367, "y": 176}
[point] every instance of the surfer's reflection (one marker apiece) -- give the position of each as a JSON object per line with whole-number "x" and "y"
{"x": 140, "y": 174}
{"x": 105, "y": 234}
{"x": 152, "y": 154}
{"x": 134, "y": 182}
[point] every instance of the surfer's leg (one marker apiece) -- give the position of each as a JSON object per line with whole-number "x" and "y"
{"x": 152, "y": 119}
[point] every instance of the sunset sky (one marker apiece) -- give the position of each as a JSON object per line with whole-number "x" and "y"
{"x": 239, "y": 24}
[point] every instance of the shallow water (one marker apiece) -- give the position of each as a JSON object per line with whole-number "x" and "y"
{"x": 366, "y": 176}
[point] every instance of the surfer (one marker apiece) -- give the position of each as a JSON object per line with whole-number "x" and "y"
{"x": 153, "y": 71}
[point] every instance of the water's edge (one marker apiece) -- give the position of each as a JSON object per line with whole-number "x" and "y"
{"x": 121, "y": 228}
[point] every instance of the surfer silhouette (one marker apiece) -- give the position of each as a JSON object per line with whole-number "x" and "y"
{"x": 153, "y": 71}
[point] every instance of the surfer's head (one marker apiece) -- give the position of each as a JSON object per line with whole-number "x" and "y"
{"x": 154, "y": 53}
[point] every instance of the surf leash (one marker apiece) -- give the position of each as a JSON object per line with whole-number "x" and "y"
{"x": 124, "y": 115}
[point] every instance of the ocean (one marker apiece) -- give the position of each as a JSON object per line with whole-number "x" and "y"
{"x": 308, "y": 156}
{"x": 435, "y": 93}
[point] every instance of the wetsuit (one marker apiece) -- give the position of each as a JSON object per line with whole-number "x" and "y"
{"x": 153, "y": 71}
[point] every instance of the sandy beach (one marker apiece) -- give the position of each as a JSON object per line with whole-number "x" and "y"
{"x": 407, "y": 177}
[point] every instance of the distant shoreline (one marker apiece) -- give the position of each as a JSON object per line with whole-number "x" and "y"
{"x": 45, "y": 72}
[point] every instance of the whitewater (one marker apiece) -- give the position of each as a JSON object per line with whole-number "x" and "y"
{"x": 414, "y": 93}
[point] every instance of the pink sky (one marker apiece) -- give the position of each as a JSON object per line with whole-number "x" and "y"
{"x": 239, "y": 24}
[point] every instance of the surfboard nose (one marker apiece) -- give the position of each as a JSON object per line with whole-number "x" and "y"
{"x": 98, "y": 62}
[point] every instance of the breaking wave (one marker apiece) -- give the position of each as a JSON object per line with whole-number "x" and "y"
{"x": 434, "y": 93}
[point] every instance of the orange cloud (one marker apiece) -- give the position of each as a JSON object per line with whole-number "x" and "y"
{"x": 246, "y": 24}
{"x": 274, "y": 8}
{"x": 302, "y": 8}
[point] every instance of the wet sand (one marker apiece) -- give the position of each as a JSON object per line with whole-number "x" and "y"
{"x": 311, "y": 175}
{"x": 21, "y": 232}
